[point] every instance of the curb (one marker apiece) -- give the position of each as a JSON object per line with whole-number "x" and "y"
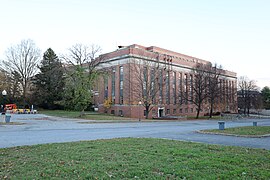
{"x": 225, "y": 134}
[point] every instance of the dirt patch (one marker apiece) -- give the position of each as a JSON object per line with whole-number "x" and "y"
{"x": 12, "y": 123}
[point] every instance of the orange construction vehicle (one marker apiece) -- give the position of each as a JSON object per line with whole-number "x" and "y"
{"x": 10, "y": 106}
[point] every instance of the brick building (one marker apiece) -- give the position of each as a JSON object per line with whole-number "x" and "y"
{"x": 121, "y": 92}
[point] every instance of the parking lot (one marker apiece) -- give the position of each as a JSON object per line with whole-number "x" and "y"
{"x": 40, "y": 129}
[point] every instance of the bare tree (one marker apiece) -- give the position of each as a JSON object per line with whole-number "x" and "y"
{"x": 246, "y": 89}
{"x": 4, "y": 80}
{"x": 84, "y": 56}
{"x": 14, "y": 85}
{"x": 213, "y": 91}
{"x": 81, "y": 70}
{"x": 257, "y": 101}
{"x": 198, "y": 87}
{"x": 22, "y": 59}
{"x": 149, "y": 76}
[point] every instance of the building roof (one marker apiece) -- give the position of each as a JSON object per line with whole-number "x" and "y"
{"x": 163, "y": 54}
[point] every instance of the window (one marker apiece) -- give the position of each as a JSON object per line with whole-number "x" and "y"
{"x": 121, "y": 83}
{"x": 112, "y": 112}
{"x": 168, "y": 111}
{"x": 106, "y": 87}
{"x": 145, "y": 76}
{"x": 144, "y": 112}
{"x": 168, "y": 87}
{"x": 186, "y": 88}
{"x": 180, "y": 88}
{"x": 120, "y": 113}
{"x": 113, "y": 86}
{"x": 191, "y": 110}
{"x": 181, "y": 110}
{"x": 186, "y": 110}
{"x": 153, "y": 86}
{"x": 174, "y": 87}
{"x": 191, "y": 88}
{"x": 160, "y": 86}
{"x": 174, "y": 111}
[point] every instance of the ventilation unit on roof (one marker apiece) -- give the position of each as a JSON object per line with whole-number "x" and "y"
{"x": 120, "y": 47}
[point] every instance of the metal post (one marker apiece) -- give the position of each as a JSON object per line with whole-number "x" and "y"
{"x": 140, "y": 103}
{"x": 4, "y": 93}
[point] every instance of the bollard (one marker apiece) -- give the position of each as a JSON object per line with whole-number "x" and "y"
{"x": 221, "y": 125}
{"x": 7, "y": 118}
{"x": 254, "y": 123}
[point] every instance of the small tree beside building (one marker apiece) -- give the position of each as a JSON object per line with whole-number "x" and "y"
{"x": 247, "y": 93}
{"x": 214, "y": 87}
{"x": 149, "y": 78}
{"x": 81, "y": 71}
{"x": 266, "y": 97}
{"x": 199, "y": 87}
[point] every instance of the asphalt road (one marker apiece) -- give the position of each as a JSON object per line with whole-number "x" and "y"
{"x": 40, "y": 129}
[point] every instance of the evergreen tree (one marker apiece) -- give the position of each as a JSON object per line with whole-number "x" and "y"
{"x": 266, "y": 97}
{"x": 50, "y": 81}
{"x": 77, "y": 94}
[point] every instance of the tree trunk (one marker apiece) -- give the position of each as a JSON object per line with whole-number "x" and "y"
{"x": 146, "y": 112}
{"x": 82, "y": 113}
{"x": 198, "y": 111}
{"x": 211, "y": 110}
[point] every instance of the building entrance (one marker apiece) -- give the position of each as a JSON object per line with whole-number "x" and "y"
{"x": 160, "y": 112}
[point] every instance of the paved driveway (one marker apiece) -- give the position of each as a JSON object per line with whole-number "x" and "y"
{"x": 41, "y": 129}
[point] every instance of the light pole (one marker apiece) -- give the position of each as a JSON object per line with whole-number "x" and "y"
{"x": 4, "y": 93}
{"x": 140, "y": 103}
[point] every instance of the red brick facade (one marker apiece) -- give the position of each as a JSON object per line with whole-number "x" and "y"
{"x": 117, "y": 93}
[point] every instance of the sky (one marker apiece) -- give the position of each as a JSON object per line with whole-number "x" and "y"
{"x": 231, "y": 33}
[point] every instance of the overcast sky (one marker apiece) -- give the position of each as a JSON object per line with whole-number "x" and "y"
{"x": 232, "y": 33}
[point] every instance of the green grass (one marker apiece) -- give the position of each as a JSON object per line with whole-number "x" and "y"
{"x": 61, "y": 113}
{"x": 246, "y": 130}
{"x": 88, "y": 115}
{"x": 131, "y": 158}
{"x": 203, "y": 117}
{"x": 105, "y": 117}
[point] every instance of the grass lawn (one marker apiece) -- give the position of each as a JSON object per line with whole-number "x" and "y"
{"x": 203, "y": 117}
{"x": 88, "y": 115}
{"x": 100, "y": 116}
{"x": 131, "y": 158}
{"x": 246, "y": 130}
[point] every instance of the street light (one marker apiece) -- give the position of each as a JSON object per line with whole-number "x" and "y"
{"x": 4, "y": 93}
{"x": 140, "y": 103}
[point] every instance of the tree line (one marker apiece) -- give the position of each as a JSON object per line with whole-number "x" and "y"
{"x": 49, "y": 81}
{"x": 250, "y": 97}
